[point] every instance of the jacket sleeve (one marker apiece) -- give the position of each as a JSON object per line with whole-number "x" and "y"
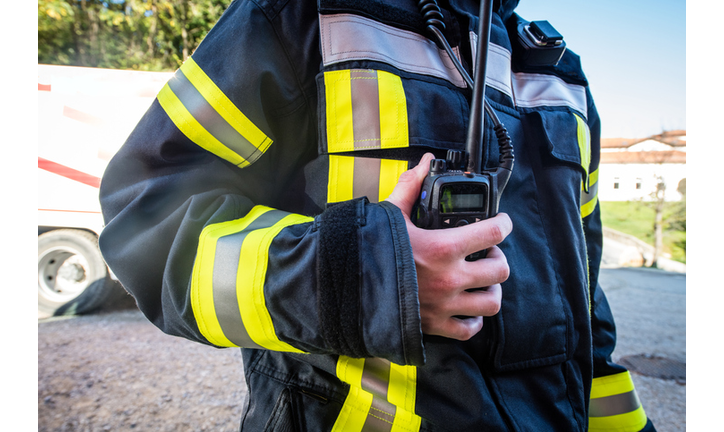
{"x": 204, "y": 210}
{"x": 614, "y": 404}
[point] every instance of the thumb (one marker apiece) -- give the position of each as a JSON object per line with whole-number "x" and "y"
{"x": 407, "y": 190}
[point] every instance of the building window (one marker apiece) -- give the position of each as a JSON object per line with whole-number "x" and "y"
{"x": 615, "y": 183}
{"x": 638, "y": 183}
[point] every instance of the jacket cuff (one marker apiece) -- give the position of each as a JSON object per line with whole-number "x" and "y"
{"x": 414, "y": 350}
{"x": 338, "y": 268}
{"x": 367, "y": 298}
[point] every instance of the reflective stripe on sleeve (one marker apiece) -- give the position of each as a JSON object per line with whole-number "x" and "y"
{"x": 614, "y": 405}
{"x": 589, "y": 184}
{"x": 353, "y": 177}
{"x": 381, "y": 396}
{"x": 589, "y": 198}
{"x": 208, "y": 118}
{"x": 227, "y": 284}
{"x": 584, "y": 146}
{"x": 365, "y": 109}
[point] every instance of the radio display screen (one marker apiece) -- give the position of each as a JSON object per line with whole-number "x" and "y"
{"x": 463, "y": 198}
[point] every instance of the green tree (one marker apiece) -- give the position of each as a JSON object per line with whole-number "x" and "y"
{"x": 123, "y": 34}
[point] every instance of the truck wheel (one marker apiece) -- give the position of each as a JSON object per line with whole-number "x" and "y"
{"x": 72, "y": 276}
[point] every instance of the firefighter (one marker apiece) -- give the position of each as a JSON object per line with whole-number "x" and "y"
{"x": 257, "y": 205}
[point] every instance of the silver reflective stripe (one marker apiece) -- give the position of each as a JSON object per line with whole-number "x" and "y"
{"x": 380, "y": 417}
{"x": 538, "y": 90}
{"x": 376, "y": 376}
{"x": 381, "y": 396}
{"x": 587, "y": 197}
{"x": 526, "y": 89}
{"x": 365, "y": 108}
{"x": 614, "y": 405}
{"x": 497, "y": 71}
{"x": 376, "y": 380}
{"x": 366, "y": 178}
{"x": 210, "y": 119}
{"x": 226, "y": 265}
{"x": 346, "y": 37}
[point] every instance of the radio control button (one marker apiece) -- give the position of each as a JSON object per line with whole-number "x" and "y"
{"x": 462, "y": 222}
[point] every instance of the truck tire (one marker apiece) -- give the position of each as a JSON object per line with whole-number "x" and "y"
{"x": 73, "y": 279}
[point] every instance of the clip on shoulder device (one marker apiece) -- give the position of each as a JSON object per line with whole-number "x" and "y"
{"x": 453, "y": 196}
{"x": 539, "y": 44}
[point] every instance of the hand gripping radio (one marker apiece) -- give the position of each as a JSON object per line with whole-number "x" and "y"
{"x": 456, "y": 191}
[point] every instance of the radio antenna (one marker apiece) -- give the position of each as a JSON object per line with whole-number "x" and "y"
{"x": 474, "y": 143}
{"x": 433, "y": 17}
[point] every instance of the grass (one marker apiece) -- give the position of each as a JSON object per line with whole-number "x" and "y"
{"x": 637, "y": 219}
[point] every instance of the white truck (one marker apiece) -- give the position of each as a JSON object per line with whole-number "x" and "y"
{"x": 84, "y": 116}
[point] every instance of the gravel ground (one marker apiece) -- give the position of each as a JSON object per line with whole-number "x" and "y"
{"x": 116, "y": 371}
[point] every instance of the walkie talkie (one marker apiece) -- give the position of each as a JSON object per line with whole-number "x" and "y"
{"x": 456, "y": 191}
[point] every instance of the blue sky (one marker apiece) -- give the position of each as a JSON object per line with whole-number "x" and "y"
{"x": 634, "y": 55}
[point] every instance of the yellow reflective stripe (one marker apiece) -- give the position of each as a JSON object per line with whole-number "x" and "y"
{"x": 615, "y": 385}
{"x": 354, "y": 412}
{"x": 629, "y": 422}
{"x": 341, "y": 178}
{"x": 611, "y": 385}
{"x": 402, "y": 393}
{"x": 390, "y": 172}
{"x": 393, "y": 111}
{"x": 223, "y": 105}
{"x": 350, "y": 370}
{"x": 202, "y": 295}
{"x": 365, "y": 109}
{"x": 357, "y": 408}
{"x": 589, "y": 198}
{"x": 358, "y": 402}
{"x": 584, "y": 146}
{"x": 250, "y": 284}
{"x": 190, "y": 127}
{"x": 402, "y": 389}
{"x": 376, "y": 176}
{"x": 340, "y": 130}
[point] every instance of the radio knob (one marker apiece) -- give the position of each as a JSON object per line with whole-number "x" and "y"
{"x": 438, "y": 166}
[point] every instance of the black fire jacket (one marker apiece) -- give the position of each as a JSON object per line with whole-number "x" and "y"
{"x": 247, "y": 210}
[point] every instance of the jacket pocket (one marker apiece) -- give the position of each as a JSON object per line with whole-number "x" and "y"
{"x": 546, "y": 250}
{"x": 283, "y": 417}
{"x": 365, "y": 109}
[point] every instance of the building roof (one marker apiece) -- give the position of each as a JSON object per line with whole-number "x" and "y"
{"x": 644, "y": 157}
{"x": 675, "y": 138}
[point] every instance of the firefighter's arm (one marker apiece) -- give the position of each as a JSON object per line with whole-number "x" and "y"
{"x": 445, "y": 278}
{"x": 202, "y": 227}
{"x": 614, "y": 404}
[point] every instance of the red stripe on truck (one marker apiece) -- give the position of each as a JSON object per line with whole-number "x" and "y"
{"x": 69, "y": 172}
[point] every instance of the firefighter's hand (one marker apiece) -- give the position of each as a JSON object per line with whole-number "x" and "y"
{"x": 443, "y": 275}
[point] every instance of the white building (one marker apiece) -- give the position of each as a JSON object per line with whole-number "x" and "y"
{"x": 630, "y": 168}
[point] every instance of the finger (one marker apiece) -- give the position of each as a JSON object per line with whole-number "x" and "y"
{"x": 491, "y": 270}
{"x": 407, "y": 190}
{"x": 484, "y": 302}
{"x": 460, "y": 275}
{"x": 461, "y": 328}
{"x": 481, "y": 235}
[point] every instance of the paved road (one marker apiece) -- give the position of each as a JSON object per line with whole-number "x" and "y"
{"x": 650, "y": 311}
